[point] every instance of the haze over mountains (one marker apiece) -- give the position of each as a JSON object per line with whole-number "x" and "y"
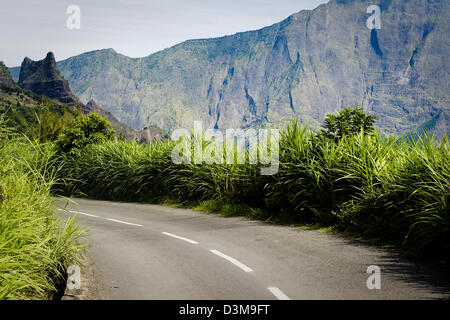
{"x": 313, "y": 63}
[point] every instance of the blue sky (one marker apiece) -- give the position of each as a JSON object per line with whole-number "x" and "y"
{"x": 135, "y": 28}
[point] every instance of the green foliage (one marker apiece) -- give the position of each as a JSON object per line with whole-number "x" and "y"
{"x": 37, "y": 116}
{"x": 348, "y": 122}
{"x": 50, "y": 125}
{"x": 35, "y": 244}
{"x": 380, "y": 188}
{"x": 4, "y": 130}
{"x": 83, "y": 131}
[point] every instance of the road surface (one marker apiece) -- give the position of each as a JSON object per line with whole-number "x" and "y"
{"x": 145, "y": 251}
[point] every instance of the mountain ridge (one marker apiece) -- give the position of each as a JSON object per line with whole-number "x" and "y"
{"x": 312, "y": 63}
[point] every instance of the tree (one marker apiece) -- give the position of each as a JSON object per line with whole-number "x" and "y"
{"x": 83, "y": 131}
{"x": 346, "y": 123}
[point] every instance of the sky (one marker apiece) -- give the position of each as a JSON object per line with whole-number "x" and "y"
{"x": 135, "y": 28}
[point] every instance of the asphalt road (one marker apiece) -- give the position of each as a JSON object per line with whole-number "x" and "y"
{"x": 152, "y": 252}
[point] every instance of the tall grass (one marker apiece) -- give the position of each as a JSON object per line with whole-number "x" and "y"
{"x": 35, "y": 245}
{"x": 383, "y": 188}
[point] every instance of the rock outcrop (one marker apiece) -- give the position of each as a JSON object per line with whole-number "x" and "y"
{"x": 43, "y": 77}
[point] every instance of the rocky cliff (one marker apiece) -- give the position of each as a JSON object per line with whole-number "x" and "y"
{"x": 43, "y": 77}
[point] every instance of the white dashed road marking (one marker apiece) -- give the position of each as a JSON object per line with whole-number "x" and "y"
{"x": 84, "y": 214}
{"x": 180, "y": 238}
{"x": 129, "y": 223}
{"x": 232, "y": 260}
{"x": 94, "y": 216}
{"x": 278, "y": 293}
{"x": 274, "y": 290}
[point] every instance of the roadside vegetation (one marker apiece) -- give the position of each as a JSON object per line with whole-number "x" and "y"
{"x": 346, "y": 177}
{"x": 35, "y": 245}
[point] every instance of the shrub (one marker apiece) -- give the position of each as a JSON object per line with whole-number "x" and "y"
{"x": 83, "y": 131}
{"x": 348, "y": 122}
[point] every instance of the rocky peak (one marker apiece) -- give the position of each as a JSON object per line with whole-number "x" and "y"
{"x": 43, "y": 77}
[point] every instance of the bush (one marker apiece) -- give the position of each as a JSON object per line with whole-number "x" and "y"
{"x": 50, "y": 125}
{"x": 348, "y": 122}
{"x": 83, "y": 131}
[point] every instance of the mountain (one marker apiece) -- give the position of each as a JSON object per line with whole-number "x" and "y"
{"x": 43, "y": 77}
{"x": 311, "y": 64}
